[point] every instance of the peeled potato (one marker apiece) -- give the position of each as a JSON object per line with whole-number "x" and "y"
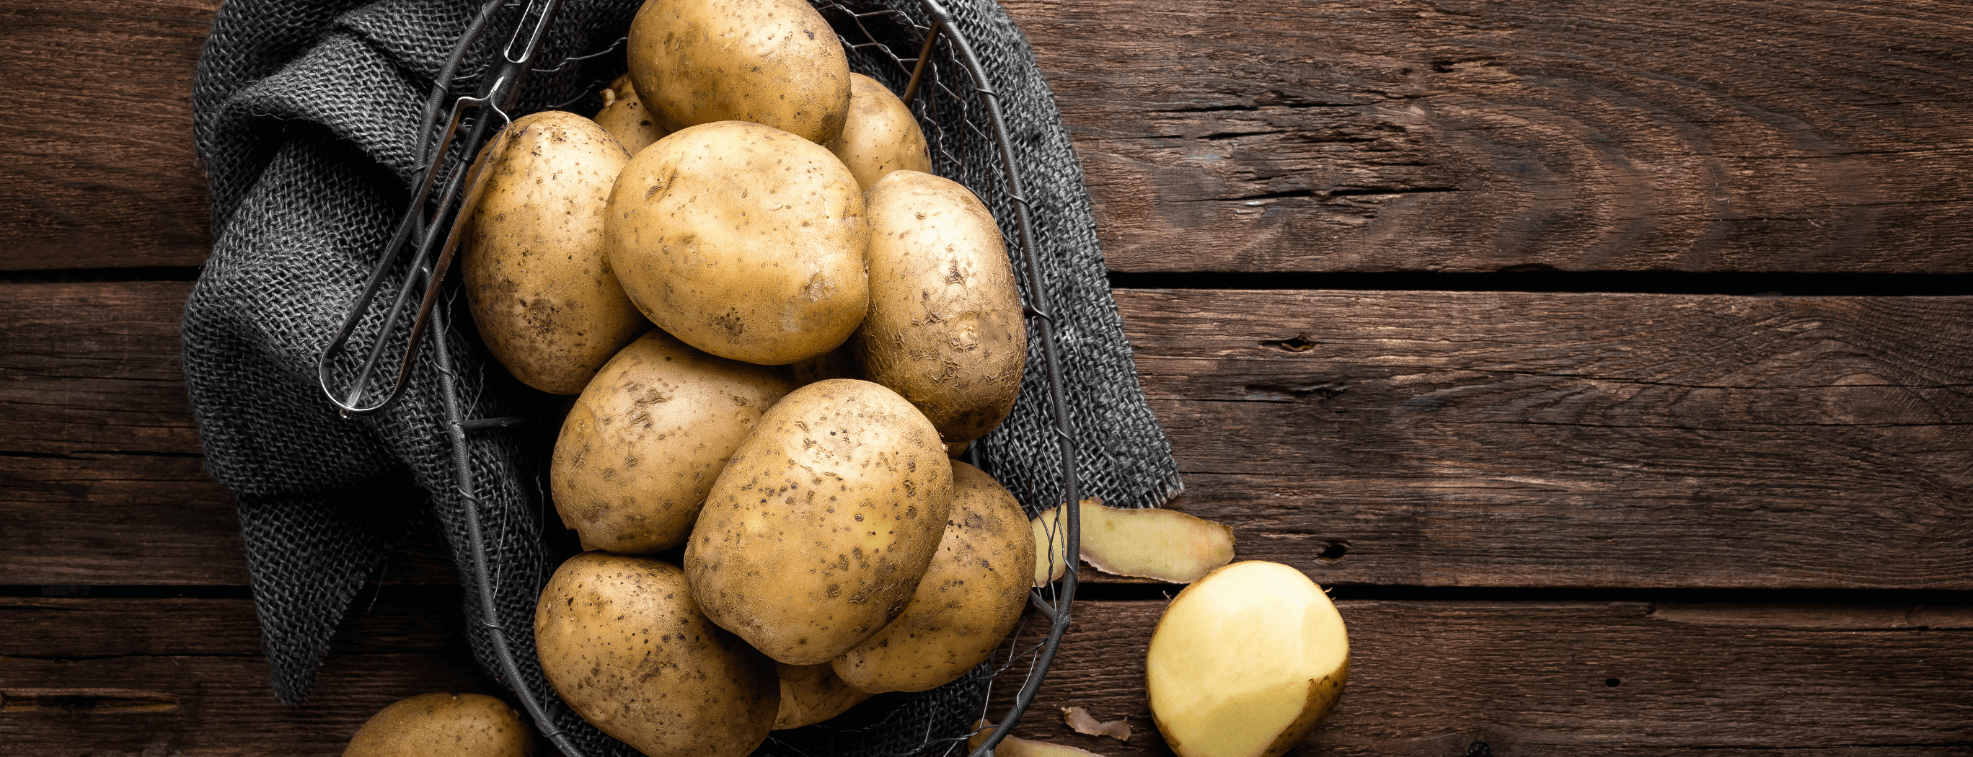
{"x": 443, "y": 725}
{"x": 1245, "y": 662}
{"x": 624, "y": 117}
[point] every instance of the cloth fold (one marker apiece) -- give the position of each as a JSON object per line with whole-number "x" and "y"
{"x": 306, "y": 119}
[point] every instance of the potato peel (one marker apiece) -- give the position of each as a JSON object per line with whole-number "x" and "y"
{"x": 1019, "y": 747}
{"x": 1079, "y": 720}
{"x": 1163, "y": 545}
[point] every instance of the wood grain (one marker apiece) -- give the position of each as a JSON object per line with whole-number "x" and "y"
{"x": 97, "y": 167}
{"x": 1373, "y": 135}
{"x": 1429, "y": 678}
{"x": 1466, "y": 135}
{"x": 1574, "y": 440}
{"x": 1370, "y": 438}
{"x": 1434, "y": 678}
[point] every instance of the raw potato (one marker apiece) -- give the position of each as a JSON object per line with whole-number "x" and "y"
{"x": 945, "y": 327}
{"x": 772, "y": 62}
{"x": 443, "y": 725}
{"x": 811, "y": 694}
{"x": 743, "y": 241}
{"x": 626, "y": 119}
{"x": 1165, "y": 545}
{"x": 880, "y": 136}
{"x": 537, "y": 280}
{"x": 1245, "y": 662}
{"x": 623, "y": 642}
{"x": 822, "y": 523}
{"x": 646, "y": 439}
{"x": 1018, "y": 747}
{"x": 968, "y": 601}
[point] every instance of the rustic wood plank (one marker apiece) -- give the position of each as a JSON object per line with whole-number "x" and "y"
{"x": 1465, "y": 135}
{"x": 1377, "y": 135}
{"x": 1387, "y": 438}
{"x": 1574, "y": 440}
{"x": 1429, "y": 678}
{"x": 97, "y": 167}
{"x": 1433, "y": 678}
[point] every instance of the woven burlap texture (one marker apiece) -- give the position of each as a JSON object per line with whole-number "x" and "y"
{"x": 306, "y": 117}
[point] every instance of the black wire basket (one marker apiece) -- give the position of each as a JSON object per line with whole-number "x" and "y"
{"x": 920, "y": 52}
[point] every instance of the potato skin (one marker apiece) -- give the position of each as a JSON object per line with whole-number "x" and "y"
{"x": 537, "y": 281}
{"x": 644, "y": 442}
{"x": 967, "y": 603}
{"x": 624, "y": 644}
{"x": 811, "y": 694}
{"x": 772, "y": 62}
{"x": 945, "y": 327}
{"x": 880, "y": 135}
{"x": 443, "y": 725}
{"x": 822, "y": 523}
{"x": 742, "y": 240}
{"x": 625, "y": 117}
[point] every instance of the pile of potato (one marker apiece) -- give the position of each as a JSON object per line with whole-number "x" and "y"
{"x": 831, "y": 321}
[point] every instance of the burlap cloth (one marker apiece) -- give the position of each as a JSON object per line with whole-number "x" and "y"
{"x": 306, "y": 115}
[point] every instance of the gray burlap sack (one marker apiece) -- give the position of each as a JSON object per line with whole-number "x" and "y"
{"x": 306, "y": 115}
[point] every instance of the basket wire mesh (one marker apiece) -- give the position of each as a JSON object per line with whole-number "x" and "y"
{"x": 913, "y": 54}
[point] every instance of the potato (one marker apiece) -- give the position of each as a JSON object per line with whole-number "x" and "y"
{"x": 443, "y": 725}
{"x": 1245, "y": 662}
{"x": 818, "y": 530}
{"x": 968, "y": 601}
{"x": 626, "y": 119}
{"x": 743, "y": 241}
{"x": 880, "y": 136}
{"x": 623, "y": 642}
{"x": 945, "y": 327}
{"x": 1154, "y": 543}
{"x": 644, "y": 442}
{"x": 811, "y": 694}
{"x": 772, "y": 62}
{"x": 539, "y": 287}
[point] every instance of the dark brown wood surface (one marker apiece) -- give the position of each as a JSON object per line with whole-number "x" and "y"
{"x": 1435, "y": 438}
{"x": 1429, "y": 678}
{"x": 1384, "y": 135}
{"x": 1620, "y": 507}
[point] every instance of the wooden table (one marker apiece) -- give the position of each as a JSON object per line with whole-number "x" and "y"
{"x": 1612, "y": 362}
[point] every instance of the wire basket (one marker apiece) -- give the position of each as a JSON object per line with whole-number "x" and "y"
{"x": 923, "y": 54}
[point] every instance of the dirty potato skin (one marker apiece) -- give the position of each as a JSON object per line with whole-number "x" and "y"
{"x": 626, "y": 119}
{"x": 443, "y": 725}
{"x": 537, "y": 281}
{"x": 644, "y": 442}
{"x": 742, "y": 240}
{"x": 624, "y": 644}
{"x": 967, "y": 603}
{"x": 811, "y": 694}
{"x": 880, "y": 136}
{"x": 822, "y": 523}
{"x": 773, "y": 62}
{"x": 945, "y": 327}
